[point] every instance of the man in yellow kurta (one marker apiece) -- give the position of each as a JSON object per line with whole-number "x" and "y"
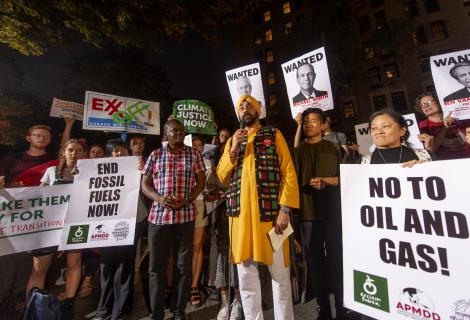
{"x": 263, "y": 189}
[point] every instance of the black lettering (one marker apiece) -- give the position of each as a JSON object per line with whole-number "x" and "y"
{"x": 415, "y": 186}
{"x": 424, "y": 252}
{"x": 412, "y": 223}
{"x": 387, "y": 251}
{"x": 457, "y": 226}
{"x": 435, "y": 188}
{"x": 392, "y": 187}
{"x": 433, "y": 223}
{"x": 367, "y": 216}
{"x": 406, "y": 256}
{"x": 376, "y": 188}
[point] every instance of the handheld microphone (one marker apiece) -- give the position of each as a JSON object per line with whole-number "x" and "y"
{"x": 242, "y": 124}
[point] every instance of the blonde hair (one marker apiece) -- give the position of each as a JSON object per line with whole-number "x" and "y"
{"x": 40, "y": 126}
{"x": 63, "y": 161}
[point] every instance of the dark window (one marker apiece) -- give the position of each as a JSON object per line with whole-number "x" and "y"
{"x": 272, "y": 99}
{"x": 373, "y": 75}
{"x": 419, "y": 36}
{"x": 269, "y": 55}
{"x": 360, "y": 4}
{"x": 399, "y": 101}
{"x": 348, "y": 110}
{"x": 391, "y": 71}
{"x": 256, "y": 18}
{"x": 364, "y": 24}
{"x": 380, "y": 19}
{"x": 376, "y": 3}
{"x": 466, "y": 3}
{"x": 271, "y": 78}
{"x": 411, "y": 8}
{"x": 424, "y": 63}
{"x": 298, "y": 4}
{"x": 379, "y": 102}
{"x": 287, "y": 27}
{"x": 431, "y": 5}
{"x": 258, "y": 39}
{"x": 439, "y": 30}
{"x": 299, "y": 19}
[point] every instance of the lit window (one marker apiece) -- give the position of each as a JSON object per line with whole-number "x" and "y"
{"x": 286, "y": 7}
{"x": 287, "y": 27}
{"x": 272, "y": 99}
{"x": 268, "y": 35}
{"x": 269, "y": 55}
{"x": 369, "y": 53}
{"x": 348, "y": 110}
{"x": 391, "y": 71}
{"x": 439, "y": 30}
{"x": 267, "y": 15}
{"x": 271, "y": 79}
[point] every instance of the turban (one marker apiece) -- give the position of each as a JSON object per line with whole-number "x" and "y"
{"x": 255, "y": 103}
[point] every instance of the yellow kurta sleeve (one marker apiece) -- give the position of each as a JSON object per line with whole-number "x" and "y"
{"x": 226, "y": 165}
{"x": 289, "y": 188}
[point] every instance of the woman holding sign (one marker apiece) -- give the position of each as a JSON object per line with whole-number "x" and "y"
{"x": 69, "y": 153}
{"x": 390, "y": 134}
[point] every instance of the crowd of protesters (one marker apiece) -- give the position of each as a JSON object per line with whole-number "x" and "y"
{"x": 227, "y": 197}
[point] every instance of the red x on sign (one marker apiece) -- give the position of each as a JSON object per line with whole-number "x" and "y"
{"x": 111, "y": 105}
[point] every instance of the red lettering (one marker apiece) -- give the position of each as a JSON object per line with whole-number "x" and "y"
{"x": 97, "y": 104}
{"x": 113, "y": 105}
{"x": 399, "y": 306}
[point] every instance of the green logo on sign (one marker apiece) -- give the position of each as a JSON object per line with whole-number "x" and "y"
{"x": 78, "y": 234}
{"x": 371, "y": 290}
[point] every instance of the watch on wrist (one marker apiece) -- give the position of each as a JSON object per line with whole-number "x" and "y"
{"x": 285, "y": 209}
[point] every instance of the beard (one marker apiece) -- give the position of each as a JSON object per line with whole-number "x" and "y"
{"x": 250, "y": 120}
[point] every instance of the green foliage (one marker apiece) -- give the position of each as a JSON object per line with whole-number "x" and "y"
{"x": 31, "y": 26}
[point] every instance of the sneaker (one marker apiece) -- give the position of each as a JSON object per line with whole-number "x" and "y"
{"x": 237, "y": 311}
{"x": 223, "y": 311}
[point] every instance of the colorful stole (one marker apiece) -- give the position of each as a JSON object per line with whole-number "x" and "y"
{"x": 268, "y": 176}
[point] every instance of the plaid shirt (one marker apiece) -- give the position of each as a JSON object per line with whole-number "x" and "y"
{"x": 173, "y": 175}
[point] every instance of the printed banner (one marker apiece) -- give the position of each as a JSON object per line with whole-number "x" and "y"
{"x": 451, "y": 75}
{"x": 364, "y": 139}
{"x": 308, "y": 82}
{"x": 32, "y": 218}
{"x": 103, "y": 205}
{"x": 409, "y": 226}
{"x": 196, "y": 116}
{"x": 246, "y": 80}
{"x": 114, "y": 113}
{"x": 66, "y": 109}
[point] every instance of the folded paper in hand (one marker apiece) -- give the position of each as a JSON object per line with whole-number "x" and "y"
{"x": 278, "y": 239}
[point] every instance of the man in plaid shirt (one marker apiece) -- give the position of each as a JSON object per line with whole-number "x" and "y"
{"x": 173, "y": 177}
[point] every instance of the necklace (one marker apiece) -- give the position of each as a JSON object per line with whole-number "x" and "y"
{"x": 399, "y": 159}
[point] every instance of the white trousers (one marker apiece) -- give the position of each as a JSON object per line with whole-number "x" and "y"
{"x": 250, "y": 289}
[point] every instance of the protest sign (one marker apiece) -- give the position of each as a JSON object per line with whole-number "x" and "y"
{"x": 451, "y": 75}
{"x": 364, "y": 139}
{"x": 103, "y": 204}
{"x": 115, "y": 113}
{"x": 66, "y": 109}
{"x": 32, "y": 218}
{"x": 409, "y": 226}
{"x": 308, "y": 82}
{"x": 246, "y": 80}
{"x": 196, "y": 116}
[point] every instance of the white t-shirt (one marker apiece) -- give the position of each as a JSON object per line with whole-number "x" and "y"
{"x": 49, "y": 176}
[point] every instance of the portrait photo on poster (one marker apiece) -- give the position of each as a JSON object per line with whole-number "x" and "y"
{"x": 308, "y": 82}
{"x": 451, "y": 75}
{"x": 246, "y": 80}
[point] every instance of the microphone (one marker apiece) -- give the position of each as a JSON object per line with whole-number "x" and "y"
{"x": 242, "y": 124}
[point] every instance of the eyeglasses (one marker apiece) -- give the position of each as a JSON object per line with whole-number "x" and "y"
{"x": 39, "y": 136}
{"x": 427, "y": 104}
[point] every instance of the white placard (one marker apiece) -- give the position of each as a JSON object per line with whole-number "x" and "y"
{"x": 66, "y": 109}
{"x": 115, "y": 113}
{"x": 308, "y": 82}
{"x": 103, "y": 206}
{"x": 364, "y": 139}
{"x": 247, "y": 80}
{"x": 406, "y": 245}
{"x": 32, "y": 218}
{"x": 453, "y": 88}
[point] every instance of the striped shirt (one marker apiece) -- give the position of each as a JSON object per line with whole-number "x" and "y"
{"x": 173, "y": 175}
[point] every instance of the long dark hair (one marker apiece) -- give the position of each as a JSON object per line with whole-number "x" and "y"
{"x": 397, "y": 118}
